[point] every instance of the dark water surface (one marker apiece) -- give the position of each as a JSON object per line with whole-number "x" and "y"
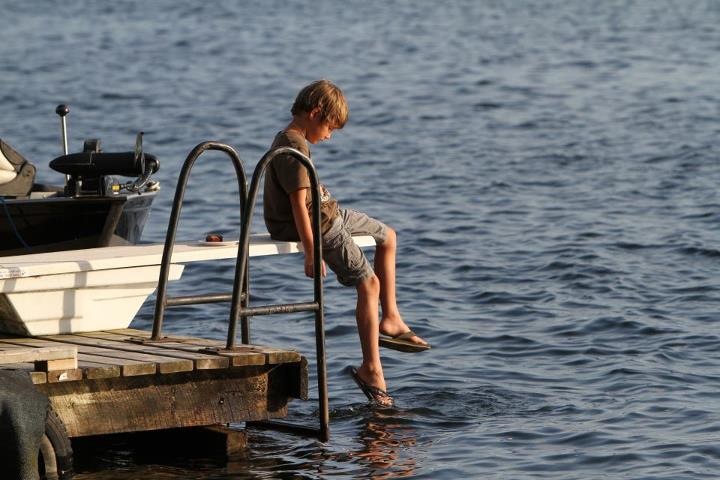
{"x": 552, "y": 170}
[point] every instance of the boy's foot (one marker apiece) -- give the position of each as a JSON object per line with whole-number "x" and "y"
{"x": 405, "y": 342}
{"x": 375, "y": 395}
{"x": 395, "y": 334}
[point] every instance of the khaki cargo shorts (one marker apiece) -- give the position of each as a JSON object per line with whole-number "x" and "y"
{"x": 341, "y": 253}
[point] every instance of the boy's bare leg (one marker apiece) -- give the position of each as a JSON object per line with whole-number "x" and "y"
{"x": 392, "y": 323}
{"x": 366, "y": 314}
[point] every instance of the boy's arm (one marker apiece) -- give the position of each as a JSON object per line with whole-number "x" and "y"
{"x": 304, "y": 228}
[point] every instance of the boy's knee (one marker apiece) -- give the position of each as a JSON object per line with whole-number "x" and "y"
{"x": 390, "y": 238}
{"x": 369, "y": 286}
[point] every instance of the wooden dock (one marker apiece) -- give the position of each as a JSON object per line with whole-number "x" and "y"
{"x": 114, "y": 380}
{"x": 107, "y": 382}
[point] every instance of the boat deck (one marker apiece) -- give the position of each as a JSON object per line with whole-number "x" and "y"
{"x": 116, "y": 384}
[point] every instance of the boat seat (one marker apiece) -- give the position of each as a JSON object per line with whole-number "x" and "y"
{"x": 16, "y": 173}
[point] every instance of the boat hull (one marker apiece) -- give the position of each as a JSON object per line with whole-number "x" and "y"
{"x": 77, "y": 302}
{"x": 65, "y": 223}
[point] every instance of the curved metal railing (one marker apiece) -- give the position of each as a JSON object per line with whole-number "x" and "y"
{"x": 240, "y": 309}
{"x": 237, "y": 311}
{"x": 162, "y": 301}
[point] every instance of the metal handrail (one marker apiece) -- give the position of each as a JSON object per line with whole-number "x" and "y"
{"x": 239, "y": 311}
{"x": 162, "y": 301}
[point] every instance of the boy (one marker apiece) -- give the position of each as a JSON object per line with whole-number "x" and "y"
{"x": 319, "y": 109}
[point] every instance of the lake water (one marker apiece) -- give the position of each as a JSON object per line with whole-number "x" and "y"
{"x": 551, "y": 168}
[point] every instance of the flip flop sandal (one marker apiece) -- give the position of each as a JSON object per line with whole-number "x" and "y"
{"x": 402, "y": 343}
{"x": 375, "y": 395}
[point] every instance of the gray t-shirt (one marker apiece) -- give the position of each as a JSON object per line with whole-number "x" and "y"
{"x": 286, "y": 175}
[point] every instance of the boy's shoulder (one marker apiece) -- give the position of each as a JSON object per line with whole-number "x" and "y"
{"x": 293, "y": 139}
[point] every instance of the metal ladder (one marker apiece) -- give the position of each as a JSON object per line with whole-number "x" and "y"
{"x": 239, "y": 298}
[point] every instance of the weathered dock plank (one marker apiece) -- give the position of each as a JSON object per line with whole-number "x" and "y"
{"x": 12, "y": 353}
{"x": 273, "y": 355}
{"x": 166, "y": 361}
{"x": 97, "y": 369}
{"x": 147, "y": 362}
{"x": 201, "y": 360}
{"x": 110, "y": 353}
{"x": 129, "y": 364}
{"x": 244, "y": 355}
{"x": 69, "y": 375}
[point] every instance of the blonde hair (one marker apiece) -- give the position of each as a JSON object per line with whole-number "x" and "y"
{"x": 326, "y": 96}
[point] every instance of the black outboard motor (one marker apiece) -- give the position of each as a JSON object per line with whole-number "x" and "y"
{"x": 88, "y": 173}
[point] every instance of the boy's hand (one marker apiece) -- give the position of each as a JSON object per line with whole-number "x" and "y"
{"x": 309, "y": 271}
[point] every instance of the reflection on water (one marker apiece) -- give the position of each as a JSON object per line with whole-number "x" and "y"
{"x": 387, "y": 446}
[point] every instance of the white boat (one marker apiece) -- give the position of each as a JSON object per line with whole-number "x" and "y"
{"x": 102, "y": 288}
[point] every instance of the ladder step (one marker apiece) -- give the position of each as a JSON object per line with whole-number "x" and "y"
{"x": 285, "y": 308}
{"x": 198, "y": 299}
